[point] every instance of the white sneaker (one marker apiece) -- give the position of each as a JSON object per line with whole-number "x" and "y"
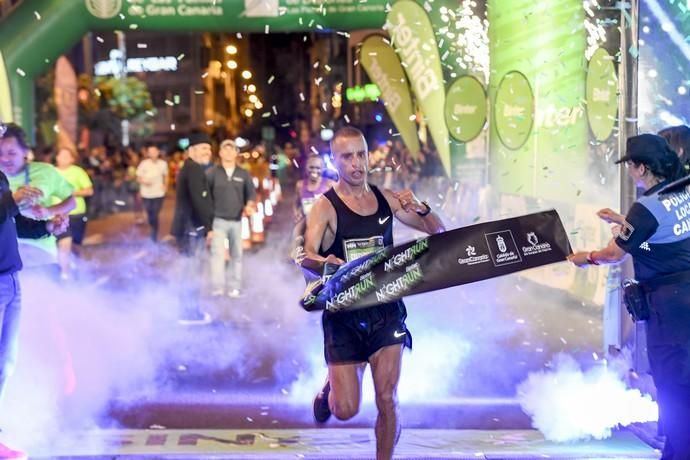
{"x": 235, "y": 293}
{"x": 200, "y": 319}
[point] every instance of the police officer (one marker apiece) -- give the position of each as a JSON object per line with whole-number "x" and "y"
{"x": 656, "y": 233}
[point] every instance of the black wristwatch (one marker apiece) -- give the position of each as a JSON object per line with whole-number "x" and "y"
{"x": 425, "y": 213}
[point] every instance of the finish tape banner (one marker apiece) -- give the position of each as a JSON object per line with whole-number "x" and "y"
{"x": 461, "y": 256}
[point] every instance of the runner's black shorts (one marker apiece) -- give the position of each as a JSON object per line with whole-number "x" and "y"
{"x": 76, "y": 229}
{"x": 353, "y": 336}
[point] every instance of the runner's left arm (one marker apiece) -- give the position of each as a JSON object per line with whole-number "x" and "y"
{"x": 406, "y": 208}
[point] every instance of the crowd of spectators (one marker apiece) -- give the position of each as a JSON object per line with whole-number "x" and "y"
{"x": 114, "y": 177}
{"x": 115, "y": 186}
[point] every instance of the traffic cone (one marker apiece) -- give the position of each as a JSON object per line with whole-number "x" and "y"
{"x": 268, "y": 184}
{"x": 258, "y": 226}
{"x": 268, "y": 209}
{"x": 246, "y": 233}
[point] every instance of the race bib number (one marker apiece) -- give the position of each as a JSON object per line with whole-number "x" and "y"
{"x": 360, "y": 247}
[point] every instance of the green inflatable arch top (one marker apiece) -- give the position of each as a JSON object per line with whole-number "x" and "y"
{"x": 38, "y": 31}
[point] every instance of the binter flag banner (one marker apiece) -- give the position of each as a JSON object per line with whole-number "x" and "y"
{"x": 383, "y": 67}
{"x": 461, "y": 256}
{"x": 539, "y": 138}
{"x": 413, "y": 38}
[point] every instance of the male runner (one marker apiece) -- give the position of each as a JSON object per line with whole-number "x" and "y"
{"x": 308, "y": 190}
{"x": 351, "y": 220}
{"x": 311, "y": 187}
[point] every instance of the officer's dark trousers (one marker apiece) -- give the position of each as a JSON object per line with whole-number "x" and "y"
{"x": 668, "y": 346}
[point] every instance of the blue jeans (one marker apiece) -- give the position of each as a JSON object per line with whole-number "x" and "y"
{"x": 232, "y": 231}
{"x": 10, "y": 307}
{"x": 153, "y": 209}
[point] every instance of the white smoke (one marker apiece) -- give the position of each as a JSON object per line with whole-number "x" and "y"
{"x": 569, "y": 404}
{"x": 111, "y": 340}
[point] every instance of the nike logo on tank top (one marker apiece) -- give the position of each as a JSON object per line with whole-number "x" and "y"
{"x": 357, "y": 235}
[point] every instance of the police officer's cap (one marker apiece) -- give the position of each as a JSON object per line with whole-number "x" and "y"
{"x": 198, "y": 137}
{"x": 646, "y": 149}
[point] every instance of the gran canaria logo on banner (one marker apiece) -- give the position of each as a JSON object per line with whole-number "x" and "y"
{"x": 413, "y": 38}
{"x": 103, "y": 9}
{"x": 261, "y": 8}
{"x": 383, "y": 67}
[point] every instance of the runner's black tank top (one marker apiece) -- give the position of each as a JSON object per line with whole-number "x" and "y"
{"x": 358, "y": 235}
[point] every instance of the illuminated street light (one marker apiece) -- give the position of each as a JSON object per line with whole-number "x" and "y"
{"x": 246, "y": 74}
{"x": 251, "y": 88}
{"x": 231, "y": 49}
{"x": 248, "y": 113}
{"x": 253, "y": 98}
{"x": 258, "y": 105}
{"x": 231, "y": 64}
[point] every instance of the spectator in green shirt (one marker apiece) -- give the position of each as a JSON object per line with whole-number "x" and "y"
{"x": 57, "y": 199}
{"x": 77, "y": 177}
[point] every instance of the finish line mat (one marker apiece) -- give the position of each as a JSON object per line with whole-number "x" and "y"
{"x": 461, "y": 256}
{"x": 331, "y": 443}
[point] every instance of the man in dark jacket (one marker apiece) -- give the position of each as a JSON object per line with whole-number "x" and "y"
{"x": 192, "y": 223}
{"x": 13, "y": 225}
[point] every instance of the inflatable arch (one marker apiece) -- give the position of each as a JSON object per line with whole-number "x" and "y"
{"x": 38, "y": 31}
